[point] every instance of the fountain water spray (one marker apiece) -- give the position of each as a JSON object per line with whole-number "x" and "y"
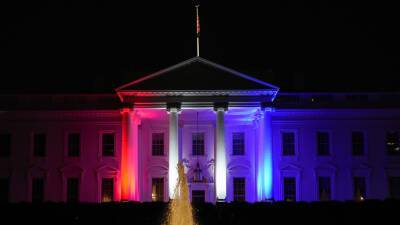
{"x": 180, "y": 211}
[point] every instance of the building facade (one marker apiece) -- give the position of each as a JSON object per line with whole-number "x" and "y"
{"x": 241, "y": 142}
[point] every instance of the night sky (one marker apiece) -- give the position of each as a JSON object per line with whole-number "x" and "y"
{"x": 96, "y": 46}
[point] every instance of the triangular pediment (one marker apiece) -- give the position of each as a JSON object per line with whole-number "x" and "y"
{"x": 196, "y": 74}
{"x": 106, "y": 168}
{"x": 290, "y": 167}
{"x": 327, "y": 166}
{"x": 71, "y": 169}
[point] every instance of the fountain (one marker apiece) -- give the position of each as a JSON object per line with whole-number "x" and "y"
{"x": 180, "y": 210}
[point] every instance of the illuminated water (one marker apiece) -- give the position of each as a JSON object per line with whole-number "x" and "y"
{"x": 180, "y": 210}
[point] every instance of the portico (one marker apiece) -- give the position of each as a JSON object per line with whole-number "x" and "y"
{"x": 204, "y": 145}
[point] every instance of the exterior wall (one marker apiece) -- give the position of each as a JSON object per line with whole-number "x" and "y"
{"x": 152, "y": 166}
{"x": 157, "y": 166}
{"x": 191, "y": 160}
{"x": 242, "y": 166}
{"x": 306, "y": 166}
{"x": 56, "y": 167}
{"x": 341, "y": 166}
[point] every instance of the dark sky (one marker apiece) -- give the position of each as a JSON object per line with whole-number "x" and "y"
{"x": 95, "y": 46}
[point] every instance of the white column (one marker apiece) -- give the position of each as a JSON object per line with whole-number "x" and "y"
{"x": 173, "y": 151}
{"x": 268, "y": 175}
{"x": 130, "y": 190}
{"x": 264, "y": 156}
{"x": 260, "y": 155}
{"x": 220, "y": 156}
{"x": 133, "y": 142}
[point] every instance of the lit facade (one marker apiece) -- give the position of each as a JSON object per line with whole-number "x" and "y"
{"x": 244, "y": 143}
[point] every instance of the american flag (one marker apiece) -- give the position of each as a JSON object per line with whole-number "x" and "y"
{"x": 198, "y": 25}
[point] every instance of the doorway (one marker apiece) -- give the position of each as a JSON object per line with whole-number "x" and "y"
{"x": 198, "y": 196}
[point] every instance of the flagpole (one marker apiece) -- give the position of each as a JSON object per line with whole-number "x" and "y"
{"x": 198, "y": 29}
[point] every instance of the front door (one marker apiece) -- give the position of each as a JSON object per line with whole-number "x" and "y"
{"x": 198, "y": 196}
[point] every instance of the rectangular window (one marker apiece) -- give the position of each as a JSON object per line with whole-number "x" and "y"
{"x": 198, "y": 143}
{"x": 73, "y": 190}
{"x": 108, "y": 144}
{"x": 288, "y": 143}
{"x": 157, "y": 189}
{"x": 37, "y": 190}
{"x": 324, "y": 188}
{"x": 5, "y": 145}
{"x": 198, "y": 196}
{"x": 4, "y": 190}
{"x": 157, "y": 144}
{"x": 393, "y": 143}
{"x": 107, "y": 190}
{"x": 323, "y": 143}
{"x": 394, "y": 187}
{"x": 289, "y": 189}
{"x": 360, "y": 188}
{"x": 238, "y": 143}
{"x": 239, "y": 189}
{"x": 357, "y": 139}
{"x": 39, "y": 145}
{"x": 74, "y": 144}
